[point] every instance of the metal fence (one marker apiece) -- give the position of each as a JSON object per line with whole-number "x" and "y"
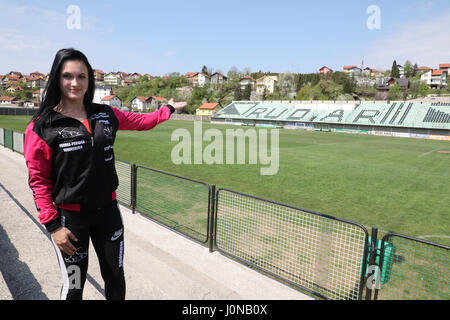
{"x": 325, "y": 256}
{"x": 12, "y": 140}
{"x": 180, "y": 203}
{"x": 124, "y": 192}
{"x": 318, "y": 253}
{"x": 416, "y": 269}
{"x": 17, "y": 111}
{"x": 18, "y": 140}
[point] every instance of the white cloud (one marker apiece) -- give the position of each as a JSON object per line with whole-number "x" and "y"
{"x": 425, "y": 42}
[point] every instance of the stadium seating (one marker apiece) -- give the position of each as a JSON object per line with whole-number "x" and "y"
{"x": 378, "y": 113}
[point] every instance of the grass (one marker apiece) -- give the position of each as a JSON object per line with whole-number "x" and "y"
{"x": 396, "y": 184}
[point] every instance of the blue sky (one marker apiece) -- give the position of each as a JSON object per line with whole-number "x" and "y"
{"x": 158, "y": 37}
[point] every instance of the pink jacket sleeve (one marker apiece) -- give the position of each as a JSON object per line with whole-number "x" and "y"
{"x": 38, "y": 158}
{"x": 139, "y": 122}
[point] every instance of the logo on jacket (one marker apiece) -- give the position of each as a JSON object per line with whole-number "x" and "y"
{"x": 67, "y": 133}
{"x": 99, "y": 116}
{"x": 108, "y": 131}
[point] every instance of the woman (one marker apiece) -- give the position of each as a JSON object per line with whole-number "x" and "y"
{"x": 69, "y": 154}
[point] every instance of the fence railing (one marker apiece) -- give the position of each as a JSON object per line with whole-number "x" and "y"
{"x": 180, "y": 203}
{"x": 416, "y": 269}
{"x": 325, "y": 256}
{"x": 17, "y": 111}
{"x": 315, "y": 252}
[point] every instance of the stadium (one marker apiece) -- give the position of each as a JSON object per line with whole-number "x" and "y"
{"x": 395, "y": 118}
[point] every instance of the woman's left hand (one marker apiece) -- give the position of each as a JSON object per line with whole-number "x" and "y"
{"x": 177, "y": 105}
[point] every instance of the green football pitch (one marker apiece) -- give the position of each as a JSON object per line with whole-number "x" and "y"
{"x": 396, "y": 184}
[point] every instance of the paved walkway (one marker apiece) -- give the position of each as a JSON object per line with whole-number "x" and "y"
{"x": 159, "y": 263}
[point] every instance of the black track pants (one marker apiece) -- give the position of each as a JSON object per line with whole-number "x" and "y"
{"x": 105, "y": 229}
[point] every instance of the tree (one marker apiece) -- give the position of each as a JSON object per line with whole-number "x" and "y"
{"x": 395, "y": 72}
{"x": 247, "y": 71}
{"x": 423, "y": 89}
{"x": 247, "y": 92}
{"x": 395, "y": 92}
{"x": 285, "y": 84}
{"x": 310, "y": 93}
{"x": 416, "y": 69}
{"x": 409, "y": 69}
{"x": 238, "y": 93}
{"x": 232, "y": 73}
{"x": 348, "y": 83}
{"x": 205, "y": 70}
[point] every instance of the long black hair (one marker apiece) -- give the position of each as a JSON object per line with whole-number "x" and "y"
{"x": 52, "y": 91}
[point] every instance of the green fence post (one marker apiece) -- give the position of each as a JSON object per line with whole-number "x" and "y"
{"x": 212, "y": 230}
{"x": 372, "y": 262}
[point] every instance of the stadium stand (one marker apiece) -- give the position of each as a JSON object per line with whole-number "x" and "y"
{"x": 417, "y": 118}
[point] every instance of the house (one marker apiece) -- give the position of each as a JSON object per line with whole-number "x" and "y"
{"x": 435, "y": 79}
{"x": 438, "y": 78}
{"x": 267, "y": 83}
{"x": 6, "y": 100}
{"x": 14, "y": 78}
{"x": 198, "y": 78}
{"x": 135, "y": 75}
{"x": 157, "y": 102}
{"x": 207, "y": 109}
{"x": 247, "y": 80}
{"x": 367, "y": 71}
{"x": 401, "y": 70}
{"x": 112, "y": 79}
{"x": 353, "y": 70}
{"x": 376, "y": 73}
{"x": 127, "y": 83}
{"x": 384, "y": 84}
{"x": 36, "y": 95}
{"x": 14, "y": 74}
{"x": 10, "y": 83}
{"x": 13, "y": 89}
{"x": 37, "y": 74}
{"x": 218, "y": 78}
{"x": 123, "y": 75}
{"x": 444, "y": 66}
{"x": 34, "y": 82}
{"x": 100, "y": 92}
{"x": 325, "y": 70}
{"x": 424, "y": 69}
{"x": 112, "y": 100}
{"x": 99, "y": 75}
{"x": 203, "y": 79}
{"x": 31, "y": 104}
{"x": 141, "y": 103}
{"x": 192, "y": 77}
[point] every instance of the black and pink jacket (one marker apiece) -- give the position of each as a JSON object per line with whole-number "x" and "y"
{"x": 71, "y": 164}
